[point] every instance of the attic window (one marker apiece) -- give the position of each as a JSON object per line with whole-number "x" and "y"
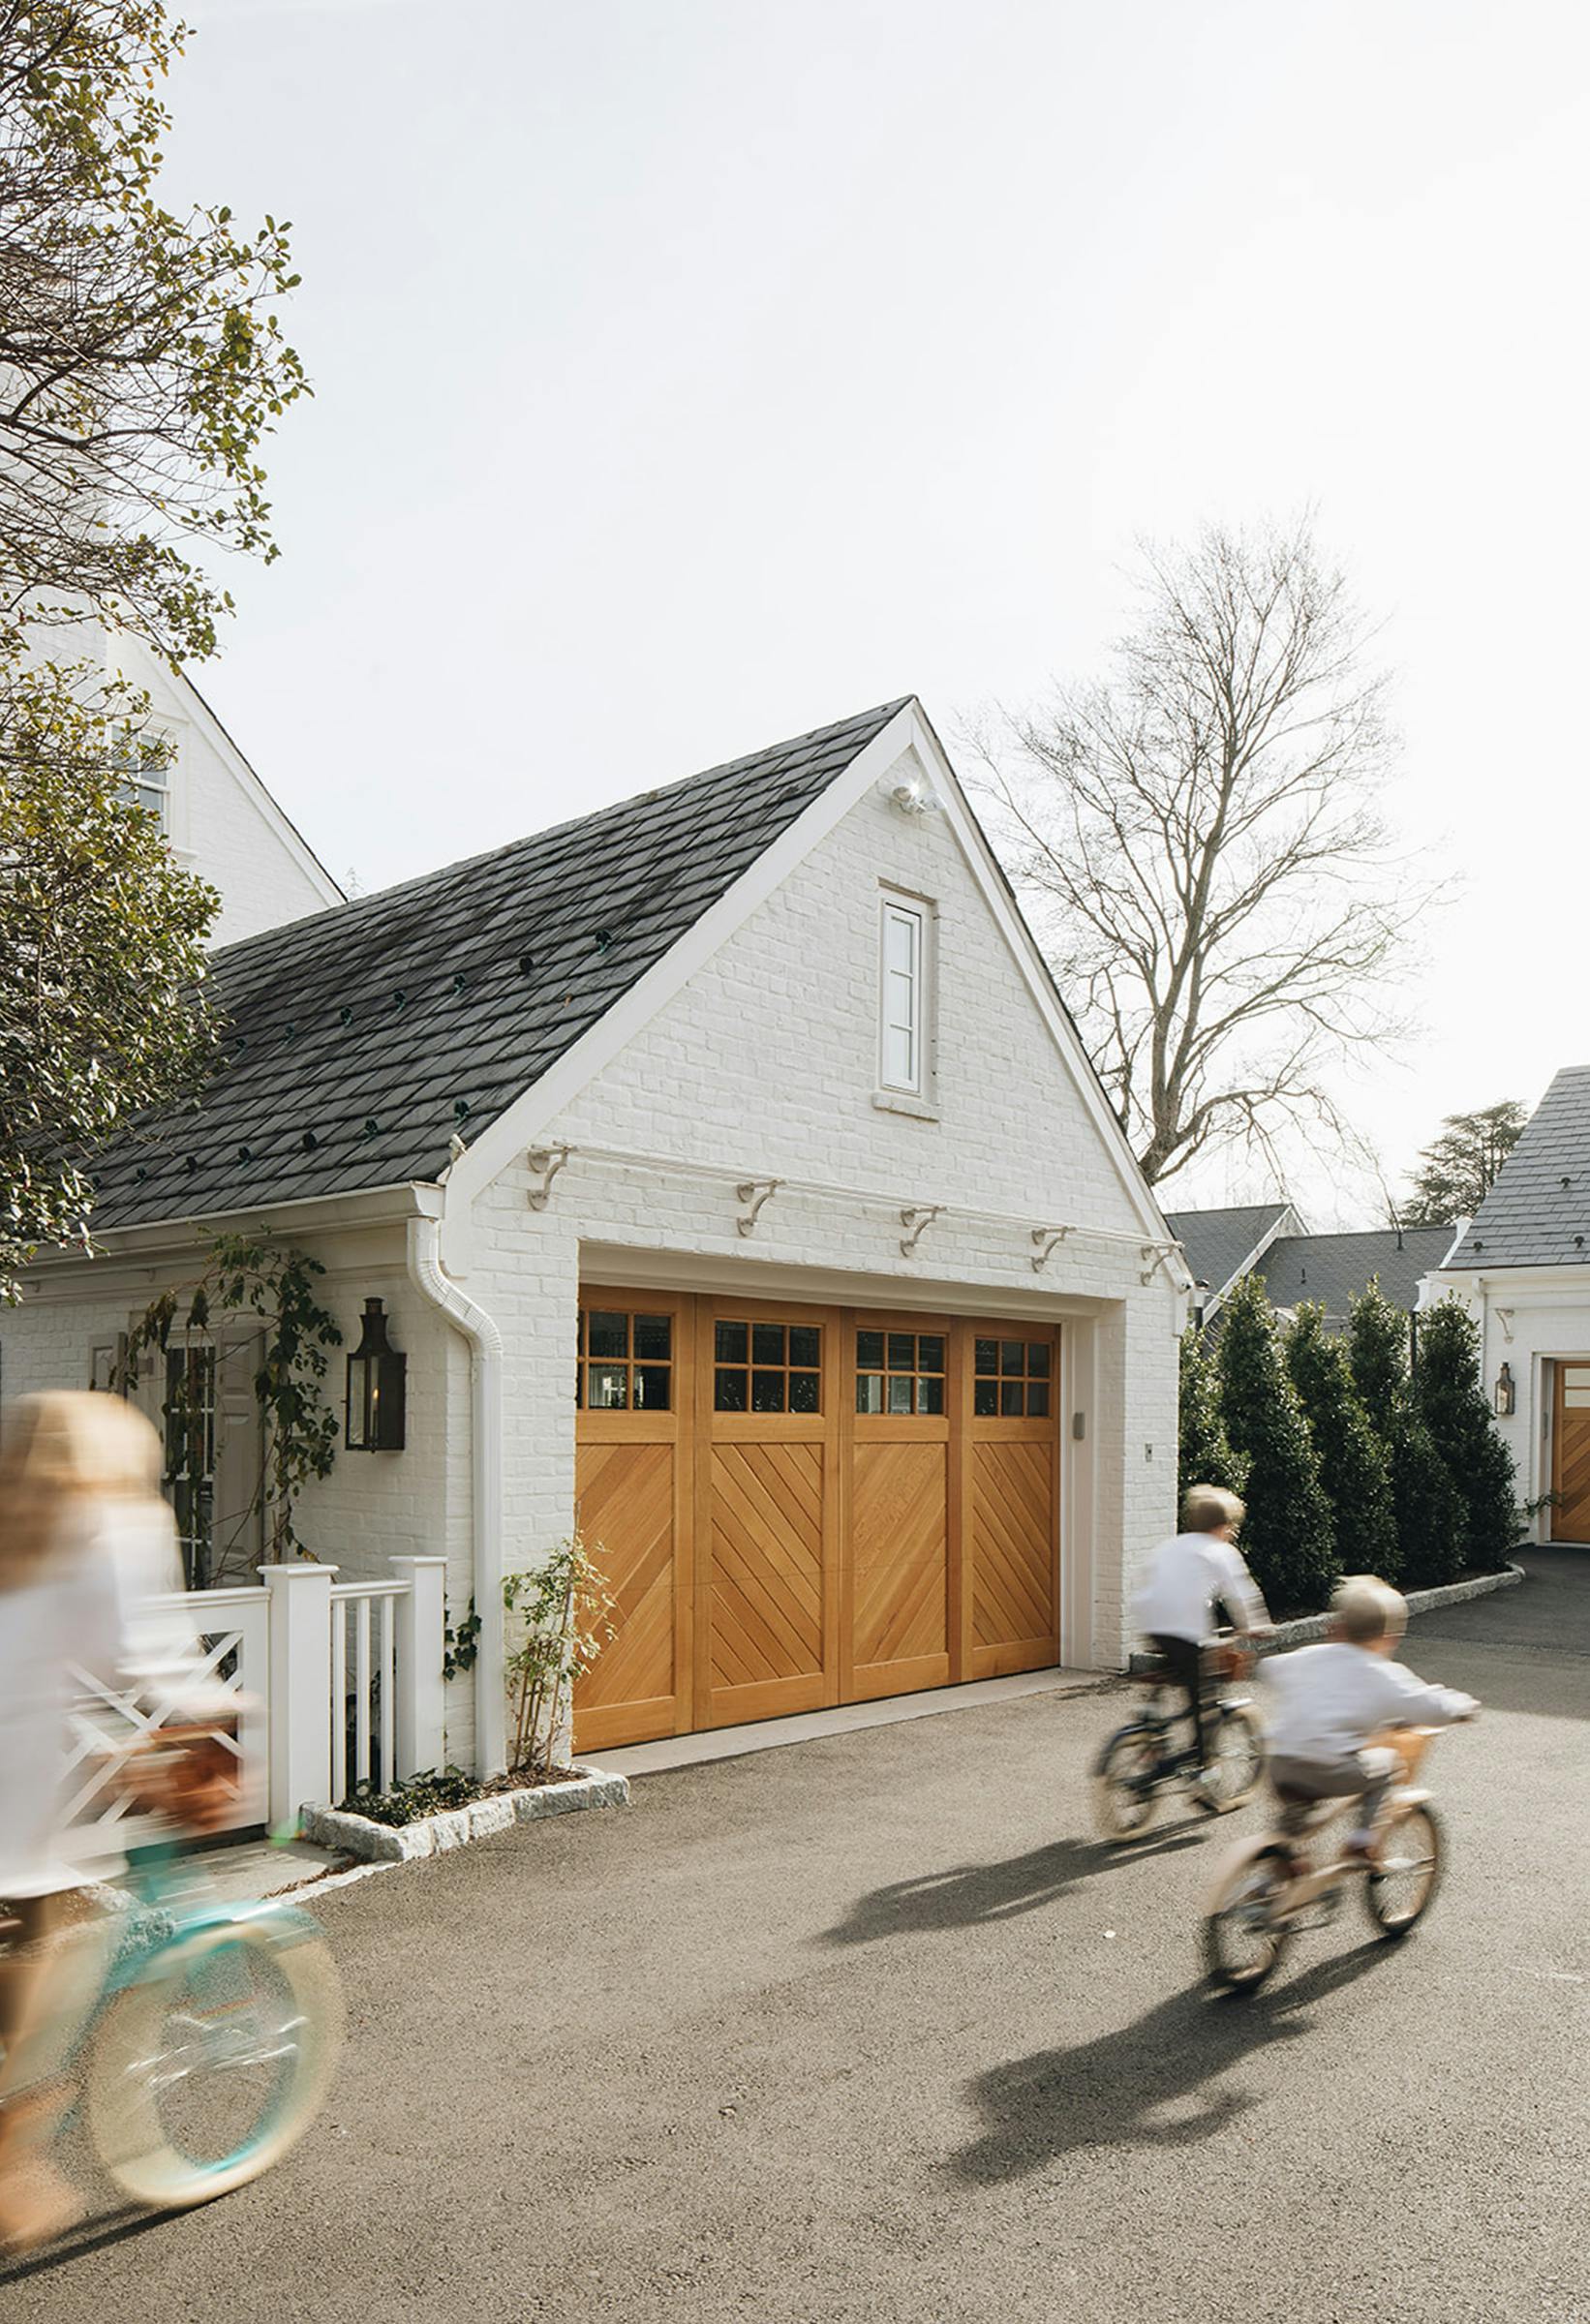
{"x": 905, "y": 969}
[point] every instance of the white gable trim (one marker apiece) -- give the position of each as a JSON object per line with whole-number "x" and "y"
{"x": 1220, "y": 1293}
{"x": 520, "y": 1127}
{"x": 264, "y": 805}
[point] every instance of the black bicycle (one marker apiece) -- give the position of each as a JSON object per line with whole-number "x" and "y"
{"x": 1141, "y": 1762}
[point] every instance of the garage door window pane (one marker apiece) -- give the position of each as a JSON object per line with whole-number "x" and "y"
{"x": 767, "y": 1343}
{"x": 903, "y": 1351}
{"x": 1037, "y": 1399}
{"x": 1037, "y": 1359}
{"x": 729, "y": 1391}
{"x": 899, "y": 1391}
{"x": 868, "y": 1391}
{"x": 869, "y": 1351}
{"x": 986, "y": 1356}
{"x": 929, "y": 1352}
{"x": 608, "y": 1335}
{"x": 930, "y": 1391}
{"x": 608, "y": 1387}
{"x": 1010, "y": 1400}
{"x": 767, "y": 1391}
{"x": 651, "y": 1386}
{"x": 654, "y": 1338}
{"x": 985, "y": 1398}
{"x": 804, "y": 1395}
{"x": 733, "y": 1343}
{"x": 805, "y": 1346}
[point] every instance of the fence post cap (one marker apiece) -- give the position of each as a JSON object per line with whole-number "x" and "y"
{"x": 416, "y": 1558}
{"x": 297, "y": 1570}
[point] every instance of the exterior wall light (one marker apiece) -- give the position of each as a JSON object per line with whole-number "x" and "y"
{"x": 1507, "y": 1391}
{"x": 376, "y": 1388}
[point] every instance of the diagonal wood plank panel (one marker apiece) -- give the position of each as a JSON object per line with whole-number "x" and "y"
{"x": 1013, "y": 1553}
{"x": 766, "y": 1562}
{"x": 900, "y": 1531}
{"x": 626, "y": 1496}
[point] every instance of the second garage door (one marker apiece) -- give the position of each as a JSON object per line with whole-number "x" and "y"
{"x": 803, "y": 1506}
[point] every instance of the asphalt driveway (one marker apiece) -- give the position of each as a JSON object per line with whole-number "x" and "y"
{"x": 869, "y": 2028}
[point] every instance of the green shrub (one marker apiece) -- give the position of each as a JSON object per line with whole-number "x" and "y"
{"x": 1206, "y": 1455}
{"x": 1288, "y": 1538}
{"x": 1451, "y": 1399}
{"x": 427, "y": 1793}
{"x": 1355, "y": 1466}
{"x": 1429, "y": 1530}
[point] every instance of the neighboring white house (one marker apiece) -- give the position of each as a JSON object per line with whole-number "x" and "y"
{"x": 1522, "y": 1267}
{"x": 735, "y": 1181}
{"x": 218, "y": 815}
{"x": 1269, "y": 1240}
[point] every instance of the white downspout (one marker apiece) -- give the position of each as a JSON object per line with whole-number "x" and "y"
{"x": 486, "y": 1467}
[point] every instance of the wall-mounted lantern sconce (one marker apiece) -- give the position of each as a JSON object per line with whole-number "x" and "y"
{"x": 375, "y": 1374}
{"x": 1507, "y": 1392}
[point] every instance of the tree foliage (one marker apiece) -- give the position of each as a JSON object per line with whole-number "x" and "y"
{"x": 1206, "y": 1455}
{"x": 1451, "y": 1399}
{"x": 1428, "y": 1518}
{"x": 1457, "y": 1170}
{"x": 101, "y": 940}
{"x": 142, "y": 359}
{"x": 1355, "y": 1469}
{"x": 142, "y": 365}
{"x": 1288, "y": 1538}
{"x": 1200, "y": 839}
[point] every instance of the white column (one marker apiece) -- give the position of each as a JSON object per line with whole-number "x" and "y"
{"x": 300, "y": 1688}
{"x": 421, "y": 1622}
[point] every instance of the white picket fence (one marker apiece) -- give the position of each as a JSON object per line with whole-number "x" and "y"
{"x": 337, "y": 1683}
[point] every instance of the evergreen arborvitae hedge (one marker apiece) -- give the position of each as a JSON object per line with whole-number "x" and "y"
{"x": 1355, "y": 1466}
{"x": 1205, "y": 1453}
{"x": 1429, "y": 1520}
{"x": 1287, "y": 1540}
{"x": 1451, "y": 1399}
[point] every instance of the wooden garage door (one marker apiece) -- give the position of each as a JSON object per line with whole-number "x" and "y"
{"x": 800, "y": 1506}
{"x": 1571, "y": 1453}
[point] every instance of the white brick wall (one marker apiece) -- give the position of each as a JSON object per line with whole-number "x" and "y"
{"x": 1547, "y": 1318}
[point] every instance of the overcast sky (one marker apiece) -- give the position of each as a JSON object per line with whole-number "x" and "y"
{"x": 692, "y": 372}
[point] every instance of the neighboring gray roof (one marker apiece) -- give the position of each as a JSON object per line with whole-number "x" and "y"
{"x": 358, "y": 1041}
{"x": 1333, "y": 1268}
{"x": 1218, "y": 1242}
{"x": 1538, "y": 1212}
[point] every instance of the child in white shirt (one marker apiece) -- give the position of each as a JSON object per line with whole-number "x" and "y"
{"x": 1326, "y": 1702}
{"x": 1174, "y": 1607}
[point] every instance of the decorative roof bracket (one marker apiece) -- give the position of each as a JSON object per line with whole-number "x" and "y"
{"x": 917, "y": 1216}
{"x": 545, "y": 1161}
{"x": 1156, "y": 1254}
{"x": 754, "y": 1192}
{"x": 1045, "y": 1239}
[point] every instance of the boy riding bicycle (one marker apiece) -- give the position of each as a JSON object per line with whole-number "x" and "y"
{"x": 1326, "y": 1702}
{"x": 1175, "y": 1606}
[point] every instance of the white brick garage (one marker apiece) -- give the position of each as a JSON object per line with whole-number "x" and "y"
{"x": 774, "y": 1044}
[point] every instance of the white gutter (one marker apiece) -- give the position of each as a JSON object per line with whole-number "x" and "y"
{"x": 486, "y": 1468}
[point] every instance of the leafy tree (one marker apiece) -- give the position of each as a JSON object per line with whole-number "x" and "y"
{"x": 1428, "y": 1518}
{"x": 1452, "y": 1401}
{"x": 1355, "y": 1469}
{"x": 142, "y": 364}
{"x": 1457, "y": 1170}
{"x": 1200, "y": 835}
{"x": 1205, "y": 1453}
{"x": 1288, "y": 1539}
{"x": 101, "y": 949}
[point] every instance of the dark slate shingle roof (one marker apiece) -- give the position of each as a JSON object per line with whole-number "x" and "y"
{"x": 1333, "y": 1268}
{"x": 358, "y": 1040}
{"x": 1541, "y": 1201}
{"x": 1217, "y": 1241}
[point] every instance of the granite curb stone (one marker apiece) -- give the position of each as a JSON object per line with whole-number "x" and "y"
{"x": 436, "y": 1835}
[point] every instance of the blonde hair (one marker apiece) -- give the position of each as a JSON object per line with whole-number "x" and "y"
{"x": 1367, "y": 1609}
{"x": 60, "y": 1449}
{"x": 1209, "y": 1506}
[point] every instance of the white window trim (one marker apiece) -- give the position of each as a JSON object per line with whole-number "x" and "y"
{"x": 918, "y": 1097}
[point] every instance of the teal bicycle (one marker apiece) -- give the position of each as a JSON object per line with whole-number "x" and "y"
{"x": 203, "y": 2036}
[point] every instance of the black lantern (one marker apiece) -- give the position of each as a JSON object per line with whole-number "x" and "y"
{"x": 1507, "y": 1397}
{"x": 375, "y": 1388}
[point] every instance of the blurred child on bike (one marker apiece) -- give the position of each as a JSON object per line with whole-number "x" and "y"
{"x": 1326, "y": 1702}
{"x": 85, "y": 1541}
{"x": 1188, "y": 1575}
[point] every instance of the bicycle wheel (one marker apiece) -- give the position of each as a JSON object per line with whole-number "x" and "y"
{"x": 1124, "y": 1796}
{"x": 1245, "y": 1936}
{"x": 1236, "y": 1758}
{"x": 205, "y": 2073}
{"x": 1402, "y": 1890}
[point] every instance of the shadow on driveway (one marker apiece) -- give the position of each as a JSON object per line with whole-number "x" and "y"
{"x": 1145, "y": 2084}
{"x": 967, "y": 1894}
